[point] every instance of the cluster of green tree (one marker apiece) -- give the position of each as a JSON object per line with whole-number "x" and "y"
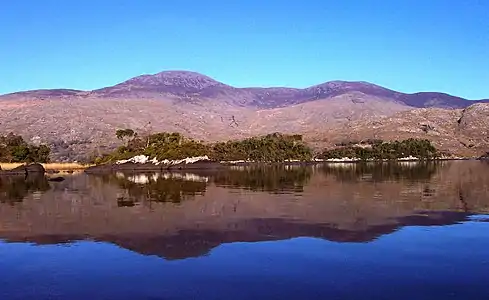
{"x": 273, "y": 147}
{"x": 13, "y": 148}
{"x": 420, "y": 148}
{"x": 375, "y": 172}
{"x": 269, "y": 148}
{"x": 159, "y": 145}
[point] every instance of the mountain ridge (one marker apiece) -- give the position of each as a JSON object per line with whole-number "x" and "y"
{"x": 187, "y": 84}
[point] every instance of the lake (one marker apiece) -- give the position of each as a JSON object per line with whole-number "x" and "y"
{"x": 338, "y": 231}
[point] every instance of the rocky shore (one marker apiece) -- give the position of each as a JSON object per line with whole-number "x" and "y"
{"x": 485, "y": 156}
{"x": 143, "y": 163}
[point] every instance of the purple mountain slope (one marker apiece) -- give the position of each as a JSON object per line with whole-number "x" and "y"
{"x": 47, "y": 93}
{"x": 185, "y": 84}
{"x": 178, "y": 83}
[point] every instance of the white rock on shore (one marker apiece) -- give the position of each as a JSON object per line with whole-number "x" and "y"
{"x": 143, "y": 159}
{"x": 344, "y": 159}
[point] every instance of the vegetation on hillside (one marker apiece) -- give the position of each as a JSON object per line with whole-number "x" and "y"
{"x": 377, "y": 150}
{"x": 13, "y": 149}
{"x": 269, "y": 148}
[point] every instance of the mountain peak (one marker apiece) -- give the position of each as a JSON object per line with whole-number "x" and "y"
{"x": 184, "y": 79}
{"x": 177, "y": 82}
{"x": 344, "y": 84}
{"x": 338, "y": 87}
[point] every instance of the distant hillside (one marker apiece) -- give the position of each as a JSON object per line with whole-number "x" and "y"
{"x": 459, "y": 131}
{"x": 79, "y": 123}
{"x": 191, "y": 85}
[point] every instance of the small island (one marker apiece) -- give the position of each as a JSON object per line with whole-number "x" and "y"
{"x": 167, "y": 151}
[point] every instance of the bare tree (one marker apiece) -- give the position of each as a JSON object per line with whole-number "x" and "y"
{"x": 232, "y": 120}
{"x": 147, "y": 130}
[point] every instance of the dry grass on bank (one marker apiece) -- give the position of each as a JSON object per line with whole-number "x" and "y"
{"x": 49, "y": 166}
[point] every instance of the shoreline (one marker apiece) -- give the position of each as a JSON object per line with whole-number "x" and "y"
{"x": 147, "y": 165}
{"x": 206, "y": 164}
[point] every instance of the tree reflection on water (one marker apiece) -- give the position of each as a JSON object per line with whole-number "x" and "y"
{"x": 14, "y": 188}
{"x": 381, "y": 172}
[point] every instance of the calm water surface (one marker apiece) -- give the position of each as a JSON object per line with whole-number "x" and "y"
{"x": 407, "y": 231}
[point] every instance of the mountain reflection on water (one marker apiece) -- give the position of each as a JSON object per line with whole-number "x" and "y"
{"x": 180, "y": 215}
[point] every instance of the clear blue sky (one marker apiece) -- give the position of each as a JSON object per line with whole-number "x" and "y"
{"x": 407, "y": 45}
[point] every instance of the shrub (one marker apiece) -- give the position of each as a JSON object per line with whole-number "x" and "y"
{"x": 13, "y": 148}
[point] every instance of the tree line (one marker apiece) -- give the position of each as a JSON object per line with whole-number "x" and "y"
{"x": 275, "y": 147}
{"x": 380, "y": 150}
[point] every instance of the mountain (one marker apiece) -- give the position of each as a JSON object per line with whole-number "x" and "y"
{"x": 176, "y": 83}
{"x": 188, "y": 84}
{"x": 81, "y": 123}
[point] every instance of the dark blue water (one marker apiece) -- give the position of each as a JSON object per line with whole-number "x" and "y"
{"x": 316, "y": 239}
